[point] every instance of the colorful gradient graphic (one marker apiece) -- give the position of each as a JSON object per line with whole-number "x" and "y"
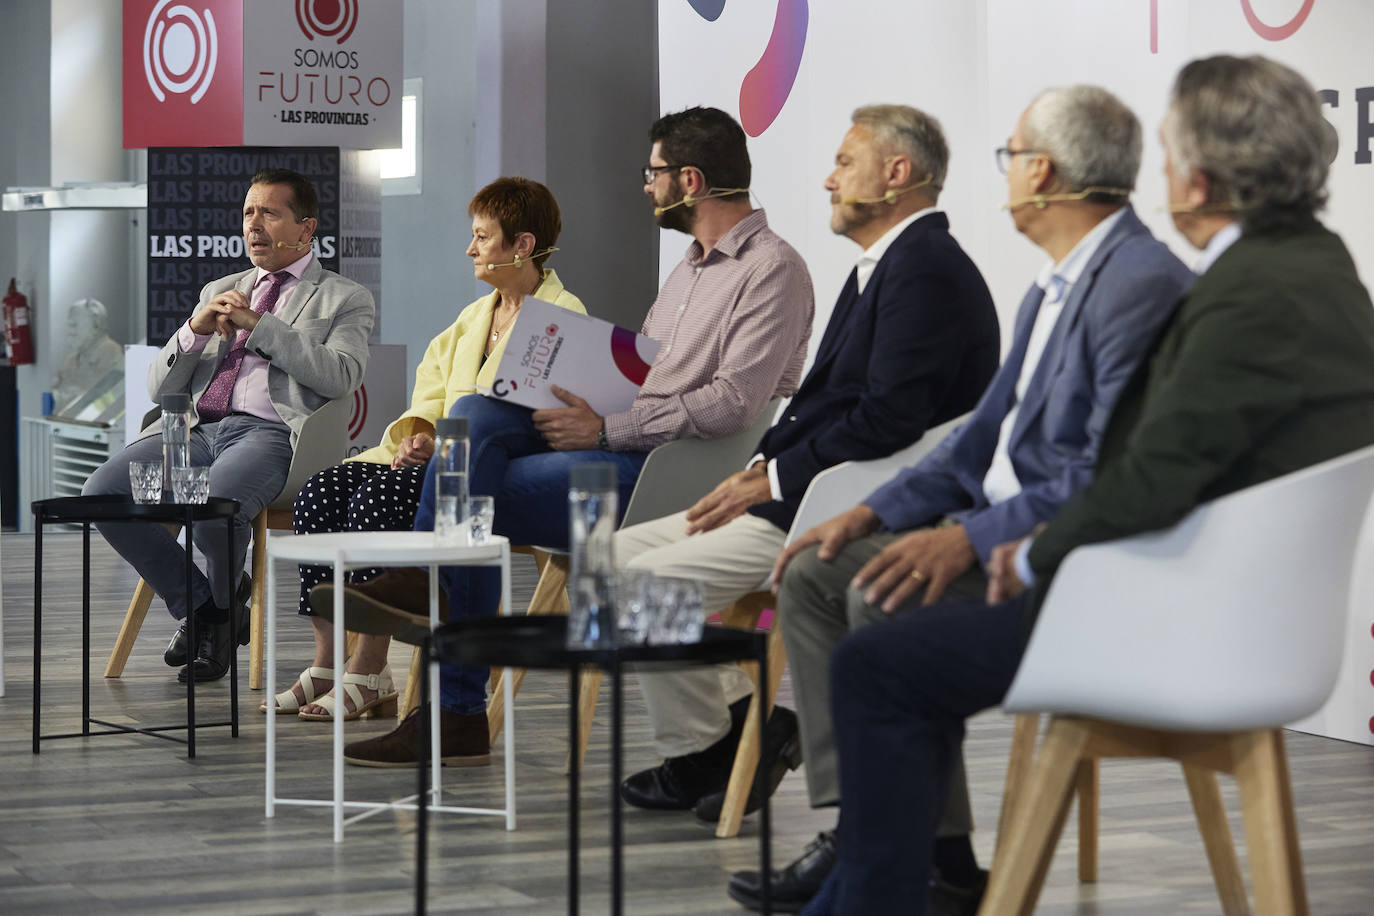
{"x": 766, "y": 87}
{"x": 709, "y": 10}
{"x": 1259, "y": 26}
{"x": 626, "y": 357}
{"x": 358, "y": 417}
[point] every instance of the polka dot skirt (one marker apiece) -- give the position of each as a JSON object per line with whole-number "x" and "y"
{"x": 357, "y": 496}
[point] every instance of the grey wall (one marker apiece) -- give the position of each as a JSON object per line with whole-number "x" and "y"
{"x": 560, "y": 92}
{"x": 602, "y": 73}
{"x": 425, "y": 278}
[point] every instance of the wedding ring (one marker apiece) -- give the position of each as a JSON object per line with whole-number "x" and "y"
{"x": 918, "y": 575}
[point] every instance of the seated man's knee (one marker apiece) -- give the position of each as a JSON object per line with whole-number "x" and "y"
{"x": 801, "y": 574}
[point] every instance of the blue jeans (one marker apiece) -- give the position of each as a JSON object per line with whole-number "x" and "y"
{"x": 510, "y": 461}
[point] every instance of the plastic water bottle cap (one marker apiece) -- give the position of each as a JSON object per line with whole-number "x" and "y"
{"x": 179, "y": 402}
{"x": 593, "y": 475}
{"x": 456, "y": 427}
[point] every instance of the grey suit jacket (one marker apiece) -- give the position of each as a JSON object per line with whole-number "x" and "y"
{"x": 317, "y": 346}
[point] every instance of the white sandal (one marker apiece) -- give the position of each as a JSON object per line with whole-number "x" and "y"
{"x": 285, "y": 702}
{"x": 383, "y": 704}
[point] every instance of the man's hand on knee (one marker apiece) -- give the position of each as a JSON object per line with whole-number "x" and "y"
{"x": 831, "y": 535}
{"x": 929, "y": 558}
{"x": 730, "y": 499}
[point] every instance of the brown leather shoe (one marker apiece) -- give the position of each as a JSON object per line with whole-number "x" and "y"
{"x": 463, "y": 742}
{"x": 394, "y": 604}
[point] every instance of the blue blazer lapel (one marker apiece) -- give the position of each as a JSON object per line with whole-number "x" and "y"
{"x": 1053, "y": 356}
{"x": 841, "y": 319}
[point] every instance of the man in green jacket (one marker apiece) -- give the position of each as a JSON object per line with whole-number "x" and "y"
{"x": 1265, "y": 367}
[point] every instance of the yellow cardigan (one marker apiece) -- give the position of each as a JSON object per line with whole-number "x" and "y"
{"x": 453, "y": 367}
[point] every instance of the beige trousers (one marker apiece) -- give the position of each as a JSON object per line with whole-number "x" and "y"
{"x": 689, "y": 708}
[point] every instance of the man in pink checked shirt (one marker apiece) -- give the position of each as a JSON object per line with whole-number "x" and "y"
{"x": 263, "y": 350}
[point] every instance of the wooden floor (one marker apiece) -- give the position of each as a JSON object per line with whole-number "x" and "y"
{"x": 129, "y": 825}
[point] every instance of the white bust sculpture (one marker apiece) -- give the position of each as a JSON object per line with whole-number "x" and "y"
{"x": 91, "y": 352}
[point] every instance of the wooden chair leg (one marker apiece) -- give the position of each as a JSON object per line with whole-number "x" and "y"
{"x": 746, "y": 764}
{"x": 1216, "y": 839}
{"x": 1037, "y": 821}
{"x": 1290, "y": 823}
{"x": 1275, "y": 866}
{"x": 550, "y": 597}
{"x": 128, "y": 631}
{"x": 257, "y": 608}
{"x": 1023, "y": 736}
{"x": 589, "y": 688}
{"x": 411, "y": 698}
{"x": 1087, "y": 820}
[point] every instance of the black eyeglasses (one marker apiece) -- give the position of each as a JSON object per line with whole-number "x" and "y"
{"x": 1005, "y": 154}
{"x": 650, "y": 172}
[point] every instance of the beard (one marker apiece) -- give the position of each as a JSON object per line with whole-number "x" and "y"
{"x": 679, "y": 218}
{"x": 849, "y": 217}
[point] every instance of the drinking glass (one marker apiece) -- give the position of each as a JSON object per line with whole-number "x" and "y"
{"x": 481, "y": 514}
{"x": 145, "y": 480}
{"x": 635, "y": 595}
{"x": 191, "y": 485}
{"x": 678, "y": 614}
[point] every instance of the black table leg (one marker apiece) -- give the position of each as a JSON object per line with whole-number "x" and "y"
{"x": 86, "y": 628}
{"x": 574, "y": 699}
{"x": 234, "y": 623}
{"x": 422, "y": 751}
{"x": 765, "y": 823}
{"x": 37, "y": 624}
{"x": 192, "y": 646}
{"x": 617, "y": 870}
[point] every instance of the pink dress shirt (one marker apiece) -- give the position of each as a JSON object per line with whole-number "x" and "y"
{"x": 250, "y": 393}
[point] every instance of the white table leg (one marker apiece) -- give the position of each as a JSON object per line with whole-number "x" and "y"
{"x": 271, "y": 684}
{"x": 509, "y": 691}
{"x": 339, "y": 627}
{"x": 434, "y": 736}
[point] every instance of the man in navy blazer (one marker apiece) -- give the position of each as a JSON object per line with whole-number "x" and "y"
{"x": 911, "y": 343}
{"x": 1030, "y": 444}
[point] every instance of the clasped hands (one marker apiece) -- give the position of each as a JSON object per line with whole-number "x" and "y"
{"x": 926, "y": 559}
{"x": 226, "y": 314}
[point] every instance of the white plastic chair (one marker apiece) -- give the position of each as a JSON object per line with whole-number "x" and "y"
{"x": 832, "y": 491}
{"x": 1196, "y": 644}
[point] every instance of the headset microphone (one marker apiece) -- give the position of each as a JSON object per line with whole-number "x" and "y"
{"x": 297, "y": 246}
{"x": 519, "y": 260}
{"x": 1040, "y": 201}
{"x": 890, "y": 197}
{"x": 689, "y": 201}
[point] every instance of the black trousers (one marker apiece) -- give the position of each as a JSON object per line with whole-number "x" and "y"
{"x": 900, "y": 694}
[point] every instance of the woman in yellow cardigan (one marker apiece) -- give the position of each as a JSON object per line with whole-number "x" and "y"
{"x": 515, "y": 223}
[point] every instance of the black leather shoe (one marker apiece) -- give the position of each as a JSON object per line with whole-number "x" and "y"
{"x": 948, "y": 899}
{"x": 212, "y": 657}
{"x": 680, "y": 782}
{"x": 781, "y": 752}
{"x": 794, "y": 886}
{"x": 175, "y": 656}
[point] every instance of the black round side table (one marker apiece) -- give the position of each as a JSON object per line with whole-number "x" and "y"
{"x": 540, "y": 642}
{"x": 88, "y": 510}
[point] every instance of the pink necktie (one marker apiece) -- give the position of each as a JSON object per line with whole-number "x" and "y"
{"x": 214, "y": 403}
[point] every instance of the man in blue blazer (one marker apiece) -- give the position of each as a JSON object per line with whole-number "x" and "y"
{"x": 1031, "y": 443}
{"x": 912, "y": 342}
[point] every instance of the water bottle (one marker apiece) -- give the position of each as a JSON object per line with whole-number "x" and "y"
{"x": 592, "y": 519}
{"x": 176, "y": 435}
{"x": 451, "y": 481}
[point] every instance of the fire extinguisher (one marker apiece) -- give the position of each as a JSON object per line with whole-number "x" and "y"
{"x": 18, "y": 334}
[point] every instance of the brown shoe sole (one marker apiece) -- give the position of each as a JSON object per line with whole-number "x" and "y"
{"x": 479, "y": 760}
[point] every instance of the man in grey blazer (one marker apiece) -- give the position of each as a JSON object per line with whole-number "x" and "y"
{"x": 263, "y": 350}
{"x": 1030, "y": 444}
